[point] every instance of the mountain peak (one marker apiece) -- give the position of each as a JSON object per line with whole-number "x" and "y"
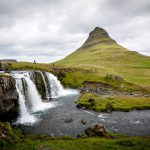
{"x": 98, "y": 36}
{"x": 98, "y": 32}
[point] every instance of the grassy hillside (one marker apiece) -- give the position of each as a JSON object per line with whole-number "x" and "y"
{"x": 98, "y": 57}
{"x": 103, "y": 55}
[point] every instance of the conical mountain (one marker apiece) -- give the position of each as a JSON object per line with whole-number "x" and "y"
{"x": 102, "y": 53}
{"x": 101, "y": 48}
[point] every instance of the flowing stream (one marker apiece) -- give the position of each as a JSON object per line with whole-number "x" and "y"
{"x": 59, "y": 116}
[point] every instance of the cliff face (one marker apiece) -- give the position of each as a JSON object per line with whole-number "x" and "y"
{"x": 9, "y": 104}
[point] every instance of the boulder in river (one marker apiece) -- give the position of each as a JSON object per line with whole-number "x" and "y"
{"x": 68, "y": 120}
{"x": 83, "y": 121}
{"x": 97, "y": 130}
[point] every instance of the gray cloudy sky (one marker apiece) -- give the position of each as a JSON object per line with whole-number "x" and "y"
{"x": 48, "y": 30}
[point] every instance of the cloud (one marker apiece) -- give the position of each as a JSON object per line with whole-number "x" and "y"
{"x": 51, "y": 29}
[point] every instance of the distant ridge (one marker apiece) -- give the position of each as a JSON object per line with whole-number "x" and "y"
{"x": 8, "y": 60}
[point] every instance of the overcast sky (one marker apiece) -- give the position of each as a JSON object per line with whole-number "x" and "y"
{"x": 48, "y": 30}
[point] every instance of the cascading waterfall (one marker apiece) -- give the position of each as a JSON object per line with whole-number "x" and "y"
{"x": 25, "y": 116}
{"x": 55, "y": 85}
{"x": 57, "y": 90}
{"x": 30, "y": 95}
{"x": 34, "y": 97}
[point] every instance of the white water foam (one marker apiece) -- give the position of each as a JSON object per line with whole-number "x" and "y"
{"x": 101, "y": 116}
{"x": 135, "y": 122}
{"x": 89, "y": 112}
{"x": 57, "y": 90}
{"x": 34, "y": 97}
{"x": 25, "y": 116}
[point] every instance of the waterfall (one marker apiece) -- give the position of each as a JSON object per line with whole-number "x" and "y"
{"x": 25, "y": 116}
{"x": 34, "y": 97}
{"x": 57, "y": 90}
{"x": 29, "y": 98}
{"x": 55, "y": 85}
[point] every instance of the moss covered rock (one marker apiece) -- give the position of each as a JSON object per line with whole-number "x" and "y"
{"x": 97, "y": 130}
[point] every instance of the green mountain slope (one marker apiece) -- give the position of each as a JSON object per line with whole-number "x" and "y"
{"x": 102, "y": 54}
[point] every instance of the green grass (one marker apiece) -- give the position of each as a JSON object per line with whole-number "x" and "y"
{"x": 4, "y": 75}
{"x": 30, "y": 66}
{"x": 77, "y": 78}
{"x": 113, "y": 103}
{"x": 11, "y": 139}
{"x": 111, "y": 59}
{"x": 126, "y": 143}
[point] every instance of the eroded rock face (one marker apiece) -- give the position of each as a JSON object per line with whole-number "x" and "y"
{"x": 9, "y": 104}
{"x": 97, "y": 87}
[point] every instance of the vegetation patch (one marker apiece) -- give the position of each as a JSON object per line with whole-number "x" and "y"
{"x": 107, "y": 103}
{"x": 30, "y": 66}
{"x": 4, "y": 75}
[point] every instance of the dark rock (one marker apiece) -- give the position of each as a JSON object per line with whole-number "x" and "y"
{"x": 97, "y": 87}
{"x": 97, "y": 130}
{"x": 5, "y": 130}
{"x": 68, "y": 120}
{"x": 79, "y": 105}
{"x": 98, "y": 32}
{"x": 109, "y": 107}
{"x": 4, "y": 67}
{"x": 113, "y": 77}
{"x": 83, "y": 121}
{"x": 92, "y": 102}
{"x": 9, "y": 104}
{"x": 80, "y": 135}
{"x": 38, "y": 80}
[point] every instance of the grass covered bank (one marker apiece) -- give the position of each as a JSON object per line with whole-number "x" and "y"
{"x": 108, "y": 103}
{"x": 14, "y": 139}
{"x": 4, "y": 75}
